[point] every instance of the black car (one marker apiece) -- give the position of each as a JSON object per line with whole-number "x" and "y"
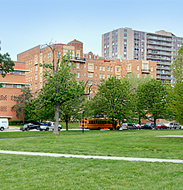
{"x": 148, "y": 126}
{"x": 29, "y": 126}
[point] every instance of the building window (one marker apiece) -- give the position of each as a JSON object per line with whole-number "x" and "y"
{"x": 151, "y": 68}
{"x": 36, "y": 68}
{"x": 151, "y": 76}
{"x": 90, "y": 82}
{"x": 100, "y": 76}
{"x": 77, "y": 65}
{"x": 118, "y": 69}
{"x": 3, "y": 108}
{"x": 90, "y": 67}
{"x": 137, "y": 75}
{"x": 16, "y": 86}
{"x": 137, "y": 67}
{"x": 100, "y": 68}
{"x": 107, "y": 68}
{"x": 77, "y": 75}
{"x": 35, "y": 77}
{"x": 3, "y": 97}
{"x": 108, "y": 76}
{"x": 103, "y": 76}
{"x": 58, "y": 54}
{"x": 103, "y": 68}
{"x": 111, "y": 69}
{"x": 90, "y": 75}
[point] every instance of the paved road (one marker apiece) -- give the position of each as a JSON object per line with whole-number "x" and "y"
{"x": 13, "y": 129}
{"x": 91, "y": 157}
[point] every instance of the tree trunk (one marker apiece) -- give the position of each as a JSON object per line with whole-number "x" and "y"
{"x": 67, "y": 125}
{"x": 154, "y": 122}
{"x": 55, "y": 131}
{"x": 139, "y": 120}
{"x": 113, "y": 124}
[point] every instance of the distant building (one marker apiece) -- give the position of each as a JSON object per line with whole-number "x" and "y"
{"x": 126, "y": 43}
{"x": 40, "y": 54}
{"x": 11, "y": 87}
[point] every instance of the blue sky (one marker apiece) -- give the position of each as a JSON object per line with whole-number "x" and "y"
{"x": 28, "y": 23}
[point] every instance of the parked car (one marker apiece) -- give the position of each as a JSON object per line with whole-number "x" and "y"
{"x": 161, "y": 126}
{"x": 49, "y": 125}
{"x": 137, "y": 125}
{"x": 128, "y": 126}
{"x": 148, "y": 126}
{"x": 29, "y": 126}
{"x": 174, "y": 126}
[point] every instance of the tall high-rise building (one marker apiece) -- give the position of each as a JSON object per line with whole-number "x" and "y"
{"x": 126, "y": 43}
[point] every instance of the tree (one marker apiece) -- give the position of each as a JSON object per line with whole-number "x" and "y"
{"x": 136, "y": 107}
{"x": 21, "y": 101}
{"x": 6, "y": 64}
{"x": 175, "y": 102}
{"x": 70, "y": 109}
{"x": 31, "y": 114}
{"x": 112, "y": 98}
{"x": 151, "y": 99}
{"x": 60, "y": 87}
{"x": 177, "y": 66}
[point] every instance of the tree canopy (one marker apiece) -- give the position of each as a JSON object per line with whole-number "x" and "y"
{"x": 177, "y": 66}
{"x": 175, "y": 102}
{"x": 113, "y": 98}
{"x": 151, "y": 99}
{"x": 60, "y": 87}
{"x": 21, "y": 101}
{"x": 6, "y": 64}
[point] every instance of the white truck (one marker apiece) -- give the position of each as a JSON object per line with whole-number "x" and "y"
{"x": 174, "y": 126}
{"x": 49, "y": 125}
{"x": 4, "y": 124}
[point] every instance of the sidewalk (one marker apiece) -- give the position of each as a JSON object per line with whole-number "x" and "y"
{"x": 93, "y": 157}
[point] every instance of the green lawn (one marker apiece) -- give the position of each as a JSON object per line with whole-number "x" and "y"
{"x": 34, "y": 172}
{"x": 70, "y": 125}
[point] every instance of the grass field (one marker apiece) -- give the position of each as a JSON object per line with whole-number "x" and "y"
{"x": 34, "y": 172}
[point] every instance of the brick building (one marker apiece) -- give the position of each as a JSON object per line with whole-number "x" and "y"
{"x": 88, "y": 67}
{"x": 46, "y": 53}
{"x": 96, "y": 68}
{"x": 11, "y": 86}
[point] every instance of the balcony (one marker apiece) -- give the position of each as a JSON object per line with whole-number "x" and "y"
{"x": 159, "y": 53}
{"x": 159, "y": 38}
{"x": 129, "y": 70}
{"x": 163, "y": 73}
{"x": 78, "y": 59}
{"x": 163, "y": 68}
{"x": 159, "y": 43}
{"x": 145, "y": 70}
{"x": 166, "y": 78}
{"x": 164, "y": 63}
{"x": 159, "y": 48}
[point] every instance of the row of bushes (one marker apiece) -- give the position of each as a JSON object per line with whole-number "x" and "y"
{"x": 15, "y": 122}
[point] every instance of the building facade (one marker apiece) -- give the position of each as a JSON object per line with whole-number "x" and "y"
{"x": 126, "y": 43}
{"x": 11, "y": 87}
{"x": 88, "y": 67}
{"x": 46, "y": 54}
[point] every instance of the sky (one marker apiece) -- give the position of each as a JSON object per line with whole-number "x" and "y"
{"x": 25, "y": 24}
